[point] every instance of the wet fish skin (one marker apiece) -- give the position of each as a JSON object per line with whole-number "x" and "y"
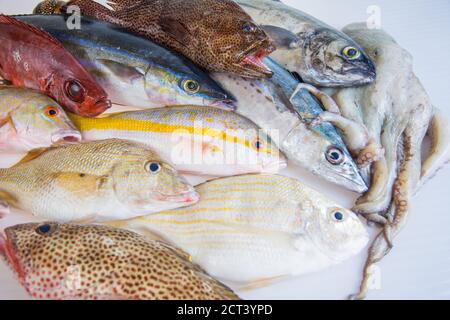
{"x": 197, "y": 140}
{"x": 287, "y": 123}
{"x": 33, "y": 59}
{"x": 265, "y": 226}
{"x": 69, "y": 261}
{"x": 216, "y": 35}
{"x": 313, "y": 49}
{"x": 135, "y": 72}
{"x": 29, "y": 119}
{"x": 101, "y": 180}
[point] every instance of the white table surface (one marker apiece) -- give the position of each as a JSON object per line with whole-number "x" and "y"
{"x": 419, "y": 265}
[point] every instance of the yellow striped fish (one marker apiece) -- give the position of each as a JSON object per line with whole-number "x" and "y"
{"x": 197, "y": 140}
{"x": 254, "y": 227}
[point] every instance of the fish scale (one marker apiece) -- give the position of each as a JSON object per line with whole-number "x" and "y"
{"x": 265, "y": 226}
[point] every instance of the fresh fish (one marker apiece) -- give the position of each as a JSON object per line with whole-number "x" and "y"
{"x": 197, "y": 140}
{"x": 68, "y": 261}
{"x": 252, "y": 228}
{"x": 134, "y": 71}
{"x": 31, "y": 58}
{"x": 319, "y": 53}
{"x": 319, "y": 148}
{"x": 49, "y": 7}
{"x": 29, "y": 120}
{"x": 216, "y": 35}
{"x": 101, "y": 180}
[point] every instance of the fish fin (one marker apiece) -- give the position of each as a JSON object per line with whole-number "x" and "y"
{"x": 122, "y": 71}
{"x": 31, "y": 155}
{"x": 6, "y": 200}
{"x": 177, "y": 30}
{"x": 261, "y": 283}
{"x": 4, "y": 19}
{"x": 80, "y": 184}
{"x": 282, "y": 38}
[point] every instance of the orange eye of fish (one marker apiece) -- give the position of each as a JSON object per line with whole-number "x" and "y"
{"x": 51, "y": 112}
{"x": 75, "y": 91}
{"x": 45, "y": 229}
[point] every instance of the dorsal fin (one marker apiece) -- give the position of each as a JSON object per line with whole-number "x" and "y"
{"x": 31, "y": 155}
{"x": 4, "y": 19}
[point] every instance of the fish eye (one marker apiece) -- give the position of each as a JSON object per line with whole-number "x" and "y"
{"x": 258, "y": 145}
{"x": 248, "y": 27}
{"x": 191, "y": 86}
{"x": 75, "y": 91}
{"x": 335, "y": 155}
{"x": 51, "y": 112}
{"x": 351, "y": 53}
{"x": 338, "y": 216}
{"x": 45, "y": 229}
{"x": 153, "y": 167}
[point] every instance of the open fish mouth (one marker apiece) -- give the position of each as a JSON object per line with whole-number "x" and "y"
{"x": 252, "y": 59}
{"x": 6, "y": 250}
{"x": 70, "y": 136}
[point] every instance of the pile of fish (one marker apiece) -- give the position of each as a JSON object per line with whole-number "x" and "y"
{"x": 195, "y": 93}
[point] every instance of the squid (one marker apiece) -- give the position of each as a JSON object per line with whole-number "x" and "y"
{"x": 398, "y": 114}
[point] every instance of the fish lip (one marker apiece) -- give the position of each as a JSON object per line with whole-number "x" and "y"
{"x": 69, "y": 136}
{"x": 6, "y": 246}
{"x": 187, "y": 197}
{"x": 228, "y": 105}
{"x": 253, "y": 57}
{"x": 275, "y": 167}
{"x": 357, "y": 185}
{"x": 98, "y": 108}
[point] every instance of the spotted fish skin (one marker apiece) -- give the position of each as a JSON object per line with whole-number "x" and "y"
{"x": 198, "y": 140}
{"x": 100, "y": 180}
{"x": 253, "y": 227}
{"x": 69, "y": 261}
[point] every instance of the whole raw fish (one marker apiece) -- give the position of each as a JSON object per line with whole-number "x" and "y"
{"x": 319, "y": 53}
{"x": 49, "y": 7}
{"x": 319, "y": 148}
{"x": 134, "y": 71}
{"x": 216, "y": 35}
{"x": 101, "y": 180}
{"x": 254, "y": 228}
{"x": 197, "y": 140}
{"x": 31, "y": 58}
{"x": 29, "y": 119}
{"x": 68, "y": 261}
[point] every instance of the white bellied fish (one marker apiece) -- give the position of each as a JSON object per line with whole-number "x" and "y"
{"x": 29, "y": 119}
{"x": 102, "y": 180}
{"x": 197, "y": 140}
{"x": 253, "y": 227}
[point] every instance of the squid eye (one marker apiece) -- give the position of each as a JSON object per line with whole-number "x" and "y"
{"x": 191, "y": 86}
{"x": 335, "y": 156}
{"x": 351, "y": 53}
{"x": 338, "y": 216}
{"x": 153, "y": 167}
{"x": 75, "y": 91}
{"x": 248, "y": 27}
{"x": 52, "y": 112}
{"x": 45, "y": 229}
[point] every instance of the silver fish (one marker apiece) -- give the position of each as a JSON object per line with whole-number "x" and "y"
{"x": 319, "y": 53}
{"x": 135, "y": 72}
{"x": 319, "y": 149}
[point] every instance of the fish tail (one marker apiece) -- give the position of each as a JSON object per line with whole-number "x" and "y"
{"x": 439, "y": 154}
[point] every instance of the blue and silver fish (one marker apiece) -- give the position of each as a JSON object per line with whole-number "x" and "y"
{"x": 135, "y": 72}
{"x": 288, "y": 120}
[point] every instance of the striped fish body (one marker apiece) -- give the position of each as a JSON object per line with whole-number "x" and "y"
{"x": 252, "y": 227}
{"x": 198, "y": 140}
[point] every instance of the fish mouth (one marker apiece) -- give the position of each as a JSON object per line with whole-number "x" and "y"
{"x": 228, "y": 105}
{"x": 69, "y": 136}
{"x": 275, "y": 166}
{"x": 252, "y": 60}
{"x": 97, "y": 108}
{"x": 7, "y": 251}
{"x": 189, "y": 197}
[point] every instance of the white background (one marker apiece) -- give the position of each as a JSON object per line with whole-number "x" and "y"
{"x": 419, "y": 265}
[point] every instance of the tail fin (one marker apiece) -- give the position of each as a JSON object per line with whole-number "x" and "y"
{"x": 439, "y": 155}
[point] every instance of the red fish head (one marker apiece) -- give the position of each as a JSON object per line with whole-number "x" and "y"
{"x": 79, "y": 94}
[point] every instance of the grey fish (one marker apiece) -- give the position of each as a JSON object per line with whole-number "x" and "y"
{"x": 317, "y": 148}
{"x": 319, "y": 53}
{"x": 134, "y": 71}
